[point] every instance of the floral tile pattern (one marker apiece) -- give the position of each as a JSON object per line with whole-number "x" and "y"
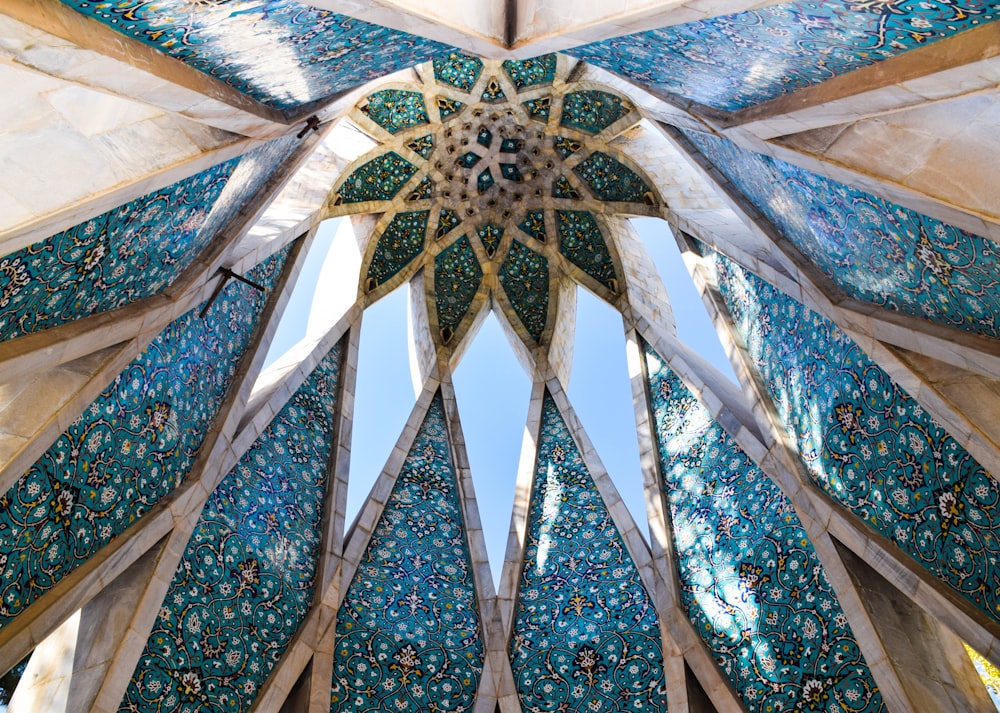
{"x": 529, "y": 73}
{"x": 874, "y": 250}
{"x": 741, "y": 60}
{"x": 592, "y": 110}
{"x": 867, "y": 443}
{"x": 586, "y": 637}
{"x": 280, "y": 52}
{"x": 377, "y": 180}
{"x": 525, "y": 278}
{"x": 396, "y": 109}
{"x": 457, "y": 275}
{"x": 459, "y": 70}
{"x": 401, "y": 241}
{"x": 611, "y": 180}
{"x": 750, "y": 580}
{"x": 409, "y": 636}
{"x": 581, "y": 242}
{"x": 246, "y": 579}
{"x": 129, "y": 449}
{"x": 130, "y": 252}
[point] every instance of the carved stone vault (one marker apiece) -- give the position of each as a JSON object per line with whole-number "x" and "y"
{"x": 824, "y": 535}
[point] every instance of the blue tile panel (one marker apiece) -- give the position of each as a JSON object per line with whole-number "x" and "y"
{"x": 740, "y": 60}
{"x": 566, "y": 147}
{"x": 867, "y": 443}
{"x": 400, "y": 242}
{"x": 586, "y": 637}
{"x": 459, "y": 70}
{"x": 581, "y": 241}
{"x": 447, "y": 107}
{"x": 562, "y": 188}
{"x": 457, "y": 275}
{"x": 377, "y": 180}
{"x": 282, "y": 53}
{"x": 528, "y": 73}
{"x": 129, "y": 449}
{"x": 246, "y": 579}
{"x": 534, "y": 225}
{"x": 409, "y": 634}
{"x": 493, "y": 91}
{"x": 750, "y": 580}
{"x": 130, "y": 252}
{"x": 490, "y": 236}
{"x": 423, "y": 145}
{"x": 874, "y": 250}
{"x": 525, "y": 278}
{"x": 539, "y": 109}
{"x": 396, "y": 110}
{"x": 611, "y": 180}
{"x": 448, "y": 220}
{"x": 592, "y": 110}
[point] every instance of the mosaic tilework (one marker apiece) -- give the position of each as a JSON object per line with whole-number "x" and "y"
{"x": 750, "y": 580}
{"x": 586, "y": 637}
{"x": 280, "y": 52}
{"x": 740, "y": 60}
{"x": 130, "y": 448}
{"x": 876, "y": 251}
{"x": 402, "y": 240}
{"x": 489, "y": 236}
{"x": 457, "y": 275}
{"x": 581, "y": 241}
{"x": 511, "y": 172}
{"x": 246, "y": 579}
{"x": 484, "y": 137}
{"x": 534, "y": 225}
{"x": 867, "y": 443}
{"x": 378, "y": 180}
{"x": 459, "y": 70}
{"x": 423, "y": 145}
{"x": 611, "y": 180}
{"x": 130, "y": 252}
{"x": 592, "y": 110}
{"x": 468, "y": 159}
{"x": 493, "y": 92}
{"x": 395, "y": 109}
{"x": 566, "y": 147}
{"x": 526, "y": 73}
{"x": 447, "y": 107}
{"x": 423, "y": 191}
{"x": 409, "y": 636}
{"x": 562, "y": 188}
{"x": 539, "y": 109}
{"x": 525, "y": 278}
{"x": 485, "y": 181}
{"x": 447, "y": 221}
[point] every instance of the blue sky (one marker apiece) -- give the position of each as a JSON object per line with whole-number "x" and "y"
{"x": 493, "y": 389}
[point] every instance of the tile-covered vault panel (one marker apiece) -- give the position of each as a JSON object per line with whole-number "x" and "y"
{"x": 735, "y": 61}
{"x": 130, "y": 252}
{"x": 409, "y": 632}
{"x": 481, "y": 164}
{"x": 585, "y": 636}
{"x": 129, "y": 449}
{"x": 246, "y": 579}
{"x": 280, "y": 52}
{"x": 874, "y": 250}
{"x": 866, "y": 442}
{"x": 750, "y": 580}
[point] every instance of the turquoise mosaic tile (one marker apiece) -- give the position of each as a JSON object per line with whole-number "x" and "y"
{"x": 511, "y": 145}
{"x": 493, "y": 92}
{"x": 378, "y": 180}
{"x": 490, "y": 236}
{"x": 586, "y": 637}
{"x": 529, "y": 73}
{"x": 409, "y": 633}
{"x": 751, "y": 582}
{"x": 539, "y": 109}
{"x": 423, "y": 145}
{"x": 459, "y": 70}
{"x": 468, "y": 159}
{"x": 246, "y": 580}
{"x": 400, "y": 242}
{"x": 485, "y": 181}
{"x": 484, "y": 137}
{"x": 867, "y": 443}
{"x": 448, "y": 107}
{"x": 611, "y": 180}
{"x": 534, "y": 225}
{"x": 131, "y": 252}
{"x": 581, "y": 241}
{"x": 396, "y": 110}
{"x": 282, "y": 53}
{"x": 457, "y": 276}
{"x": 423, "y": 191}
{"x": 511, "y": 172}
{"x": 562, "y": 188}
{"x": 592, "y": 110}
{"x": 566, "y": 147}
{"x": 736, "y": 61}
{"x": 131, "y": 447}
{"x": 525, "y": 278}
{"x": 874, "y": 250}
{"x": 448, "y": 220}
